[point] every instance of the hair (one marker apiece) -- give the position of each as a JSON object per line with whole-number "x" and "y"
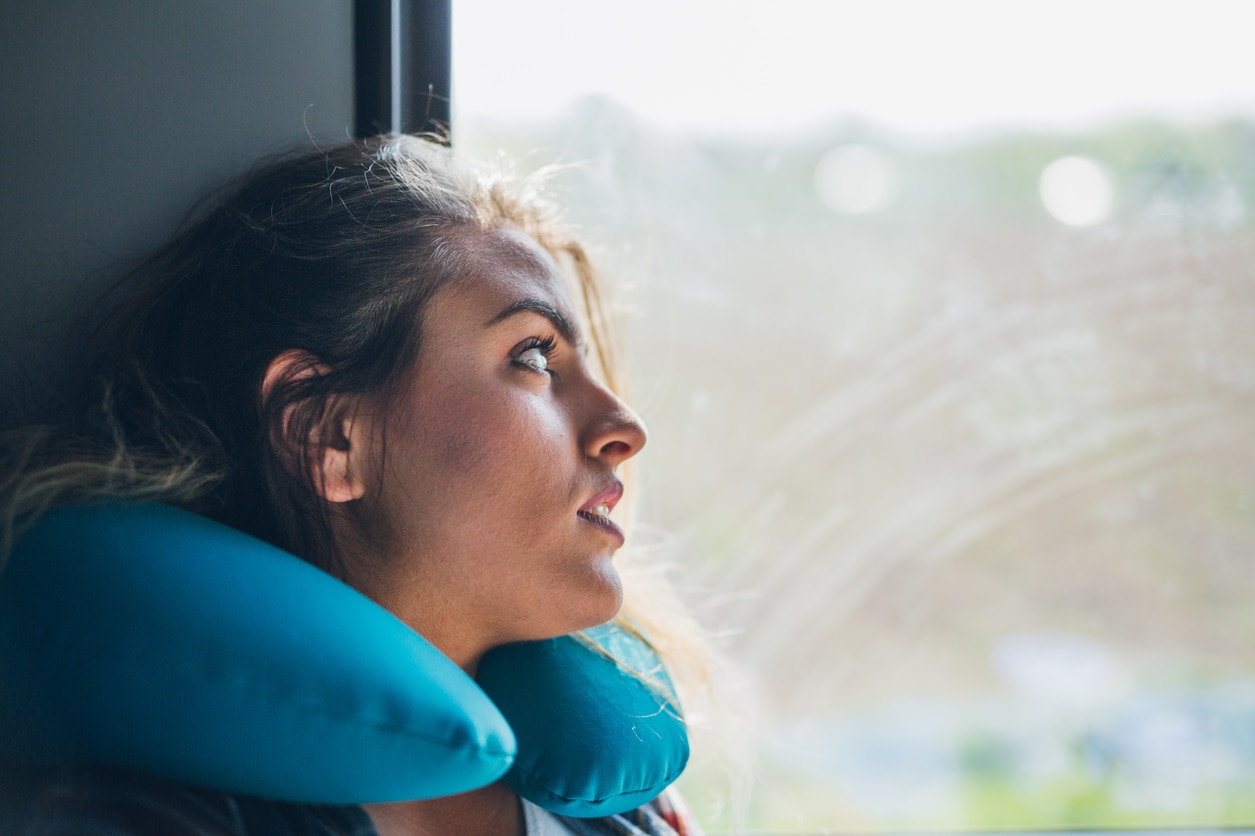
{"x": 333, "y": 253}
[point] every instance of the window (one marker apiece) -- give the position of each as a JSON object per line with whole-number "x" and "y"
{"x": 941, "y": 316}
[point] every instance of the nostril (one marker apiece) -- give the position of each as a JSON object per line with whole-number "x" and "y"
{"x": 616, "y": 448}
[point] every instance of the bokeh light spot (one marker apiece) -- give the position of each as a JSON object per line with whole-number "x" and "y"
{"x": 1076, "y": 191}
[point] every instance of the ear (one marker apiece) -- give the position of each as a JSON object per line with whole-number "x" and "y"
{"x": 336, "y": 446}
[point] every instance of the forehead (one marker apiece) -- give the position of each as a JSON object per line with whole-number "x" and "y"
{"x": 506, "y": 265}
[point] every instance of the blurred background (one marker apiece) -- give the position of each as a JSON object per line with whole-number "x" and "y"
{"x": 943, "y": 320}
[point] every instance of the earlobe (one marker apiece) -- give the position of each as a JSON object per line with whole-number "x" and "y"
{"x": 332, "y": 451}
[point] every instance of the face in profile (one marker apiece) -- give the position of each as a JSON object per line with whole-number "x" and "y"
{"x": 491, "y": 480}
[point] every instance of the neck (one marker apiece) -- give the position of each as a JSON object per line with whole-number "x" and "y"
{"x": 493, "y": 810}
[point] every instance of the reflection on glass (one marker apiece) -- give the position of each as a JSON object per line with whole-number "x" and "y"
{"x": 952, "y": 437}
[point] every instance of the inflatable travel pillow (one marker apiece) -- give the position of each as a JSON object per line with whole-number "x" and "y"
{"x": 149, "y": 637}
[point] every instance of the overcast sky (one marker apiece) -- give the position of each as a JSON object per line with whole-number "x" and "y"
{"x": 929, "y": 68}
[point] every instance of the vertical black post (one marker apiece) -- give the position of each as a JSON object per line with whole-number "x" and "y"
{"x": 372, "y": 67}
{"x": 426, "y": 59}
{"x": 403, "y": 57}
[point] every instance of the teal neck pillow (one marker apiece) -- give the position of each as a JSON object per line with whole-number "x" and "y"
{"x": 149, "y": 637}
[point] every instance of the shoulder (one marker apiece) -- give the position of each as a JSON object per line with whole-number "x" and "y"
{"x": 666, "y": 815}
{"x": 124, "y": 802}
{"x": 671, "y": 808}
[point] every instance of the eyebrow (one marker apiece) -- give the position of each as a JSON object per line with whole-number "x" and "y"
{"x": 561, "y": 323}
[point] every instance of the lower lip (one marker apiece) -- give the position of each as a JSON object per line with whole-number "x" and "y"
{"x": 604, "y": 523}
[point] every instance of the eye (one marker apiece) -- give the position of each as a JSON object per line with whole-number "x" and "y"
{"x": 534, "y": 358}
{"x": 534, "y": 355}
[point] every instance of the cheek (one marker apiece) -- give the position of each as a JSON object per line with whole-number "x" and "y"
{"x": 490, "y": 450}
{"x": 521, "y": 452}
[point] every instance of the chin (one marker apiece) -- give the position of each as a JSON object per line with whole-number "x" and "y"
{"x": 596, "y": 604}
{"x": 613, "y": 603}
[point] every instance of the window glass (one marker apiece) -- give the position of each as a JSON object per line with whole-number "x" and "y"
{"x": 943, "y": 319}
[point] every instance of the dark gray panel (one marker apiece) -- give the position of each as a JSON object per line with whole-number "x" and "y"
{"x": 117, "y": 113}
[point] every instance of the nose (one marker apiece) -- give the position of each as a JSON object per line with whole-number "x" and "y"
{"x": 614, "y": 433}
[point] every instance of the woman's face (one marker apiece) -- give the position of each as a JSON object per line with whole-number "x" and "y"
{"x": 493, "y": 469}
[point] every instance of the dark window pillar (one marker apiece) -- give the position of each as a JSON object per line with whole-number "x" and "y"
{"x": 402, "y": 56}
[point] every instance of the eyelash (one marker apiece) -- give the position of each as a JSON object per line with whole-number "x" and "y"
{"x": 546, "y": 347}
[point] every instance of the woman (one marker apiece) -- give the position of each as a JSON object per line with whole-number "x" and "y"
{"x": 393, "y": 368}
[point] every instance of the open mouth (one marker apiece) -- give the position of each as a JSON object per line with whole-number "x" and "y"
{"x": 597, "y": 510}
{"x": 598, "y": 515}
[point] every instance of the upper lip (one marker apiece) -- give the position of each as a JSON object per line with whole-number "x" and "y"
{"x": 609, "y": 497}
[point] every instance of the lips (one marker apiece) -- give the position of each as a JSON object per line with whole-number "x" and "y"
{"x": 597, "y": 510}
